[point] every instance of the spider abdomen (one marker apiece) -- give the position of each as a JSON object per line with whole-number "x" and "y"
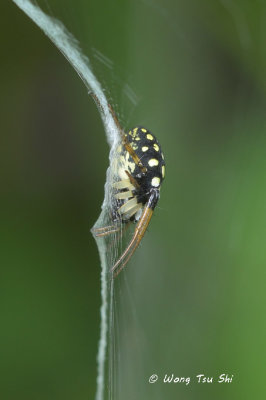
{"x": 141, "y": 170}
{"x": 148, "y": 149}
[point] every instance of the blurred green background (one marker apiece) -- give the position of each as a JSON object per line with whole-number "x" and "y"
{"x": 192, "y": 300}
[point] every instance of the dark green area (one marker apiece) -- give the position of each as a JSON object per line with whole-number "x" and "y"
{"x": 193, "y": 296}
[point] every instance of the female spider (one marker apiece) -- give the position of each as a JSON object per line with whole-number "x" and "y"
{"x": 139, "y": 169}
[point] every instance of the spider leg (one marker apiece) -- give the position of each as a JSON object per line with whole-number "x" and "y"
{"x": 97, "y": 101}
{"x": 105, "y": 230}
{"x": 124, "y": 184}
{"x": 125, "y": 141}
{"x": 115, "y": 118}
{"x": 95, "y": 98}
{"x": 132, "y": 180}
{"x": 129, "y": 149}
{"x": 113, "y": 241}
{"x": 140, "y": 230}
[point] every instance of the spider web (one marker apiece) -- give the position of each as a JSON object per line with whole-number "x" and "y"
{"x": 109, "y": 246}
{"x": 219, "y": 52}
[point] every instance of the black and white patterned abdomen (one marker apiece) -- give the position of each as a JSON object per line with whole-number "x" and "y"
{"x": 148, "y": 176}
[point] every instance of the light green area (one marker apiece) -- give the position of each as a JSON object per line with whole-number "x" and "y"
{"x": 193, "y": 296}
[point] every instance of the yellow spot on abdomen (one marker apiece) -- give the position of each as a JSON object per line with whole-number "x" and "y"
{"x": 145, "y": 148}
{"x": 153, "y": 162}
{"x": 163, "y": 171}
{"x": 156, "y": 147}
{"x": 144, "y": 130}
{"x": 155, "y": 182}
{"x": 135, "y": 130}
{"x": 134, "y": 146}
{"x": 149, "y": 136}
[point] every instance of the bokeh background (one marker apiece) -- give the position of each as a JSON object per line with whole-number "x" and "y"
{"x": 192, "y": 301}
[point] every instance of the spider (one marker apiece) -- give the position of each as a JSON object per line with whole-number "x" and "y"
{"x": 139, "y": 169}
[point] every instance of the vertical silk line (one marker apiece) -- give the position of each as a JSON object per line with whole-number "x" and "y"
{"x": 69, "y": 47}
